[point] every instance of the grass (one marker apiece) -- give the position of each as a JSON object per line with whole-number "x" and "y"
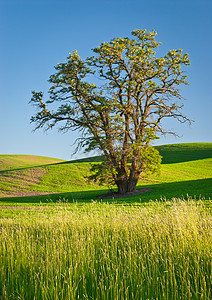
{"x": 183, "y": 152}
{"x": 11, "y": 162}
{"x": 67, "y": 245}
{"x": 190, "y": 175}
{"x": 173, "y": 153}
{"x": 102, "y": 251}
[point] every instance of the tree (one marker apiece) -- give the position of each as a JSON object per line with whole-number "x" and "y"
{"x": 117, "y": 99}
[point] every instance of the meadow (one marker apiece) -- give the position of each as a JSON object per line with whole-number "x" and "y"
{"x": 69, "y": 244}
{"x": 105, "y": 251}
{"x": 186, "y": 170}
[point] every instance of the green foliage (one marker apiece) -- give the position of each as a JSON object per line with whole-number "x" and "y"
{"x": 102, "y": 173}
{"x": 149, "y": 161}
{"x": 121, "y": 113}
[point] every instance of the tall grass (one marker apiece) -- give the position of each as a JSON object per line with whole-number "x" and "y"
{"x": 102, "y": 251}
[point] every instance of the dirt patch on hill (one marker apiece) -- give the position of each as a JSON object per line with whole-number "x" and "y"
{"x": 22, "y": 178}
{"x": 17, "y": 183}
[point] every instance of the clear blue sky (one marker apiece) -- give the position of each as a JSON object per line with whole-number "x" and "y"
{"x": 37, "y": 34}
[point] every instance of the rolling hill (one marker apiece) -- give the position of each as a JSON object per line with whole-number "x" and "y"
{"x": 12, "y": 162}
{"x": 186, "y": 169}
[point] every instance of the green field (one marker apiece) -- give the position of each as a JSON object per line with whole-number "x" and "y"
{"x": 107, "y": 251}
{"x": 186, "y": 170}
{"x": 11, "y": 162}
{"x": 69, "y": 244}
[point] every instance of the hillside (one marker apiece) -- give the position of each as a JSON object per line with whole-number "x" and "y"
{"x": 176, "y": 153}
{"x": 11, "y": 162}
{"x": 171, "y": 153}
{"x": 186, "y": 169}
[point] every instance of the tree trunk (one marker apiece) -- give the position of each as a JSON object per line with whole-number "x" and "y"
{"x": 126, "y": 186}
{"x": 122, "y": 186}
{"x": 132, "y": 185}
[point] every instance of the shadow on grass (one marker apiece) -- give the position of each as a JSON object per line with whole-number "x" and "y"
{"x": 91, "y": 160}
{"x": 174, "y": 153}
{"x": 178, "y": 153}
{"x": 201, "y": 188}
{"x": 171, "y": 154}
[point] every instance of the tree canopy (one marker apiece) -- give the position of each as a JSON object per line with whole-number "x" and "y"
{"x": 116, "y": 100}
